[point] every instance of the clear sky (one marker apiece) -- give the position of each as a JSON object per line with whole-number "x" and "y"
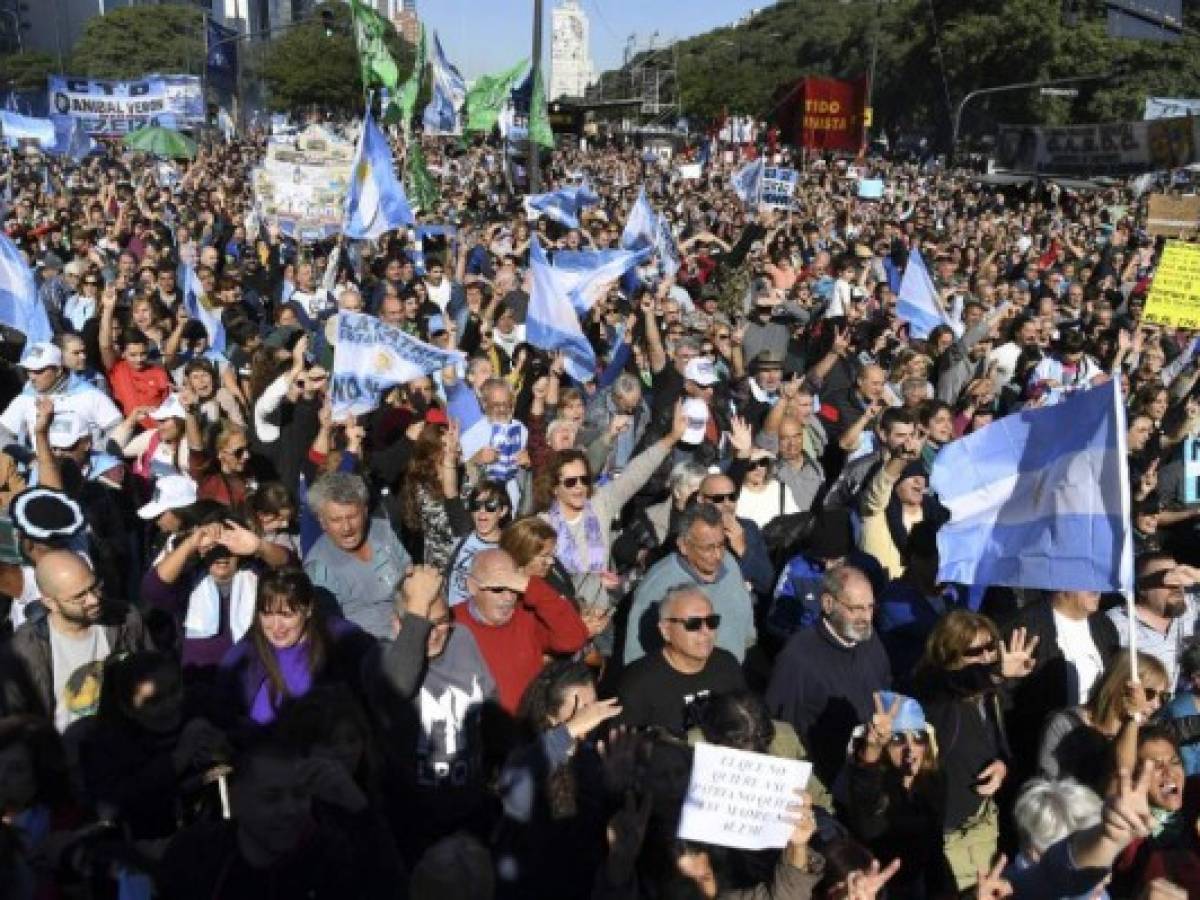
{"x": 481, "y": 36}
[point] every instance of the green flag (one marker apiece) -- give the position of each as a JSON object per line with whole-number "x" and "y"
{"x": 422, "y": 190}
{"x": 378, "y": 66}
{"x": 401, "y": 108}
{"x": 488, "y": 96}
{"x": 539, "y": 118}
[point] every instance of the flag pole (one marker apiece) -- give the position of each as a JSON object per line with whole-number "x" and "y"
{"x": 1126, "y": 570}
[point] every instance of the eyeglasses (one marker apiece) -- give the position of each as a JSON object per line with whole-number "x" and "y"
{"x": 722, "y": 337}
{"x": 490, "y": 505}
{"x": 761, "y": 463}
{"x": 238, "y": 451}
{"x": 497, "y": 589}
{"x": 572, "y": 481}
{"x": 695, "y": 623}
{"x": 731, "y": 497}
{"x": 900, "y": 738}
{"x": 981, "y": 650}
{"x": 1153, "y": 694}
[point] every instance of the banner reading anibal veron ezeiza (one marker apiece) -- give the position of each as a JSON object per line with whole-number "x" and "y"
{"x": 113, "y": 108}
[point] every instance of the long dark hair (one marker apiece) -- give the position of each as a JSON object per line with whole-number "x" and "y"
{"x": 539, "y": 705}
{"x": 289, "y": 589}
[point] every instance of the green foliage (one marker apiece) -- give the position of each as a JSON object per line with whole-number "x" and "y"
{"x": 304, "y": 66}
{"x": 137, "y": 40}
{"x": 26, "y": 71}
{"x": 930, "y": 54}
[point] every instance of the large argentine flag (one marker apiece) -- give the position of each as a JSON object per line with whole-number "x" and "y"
{"x": 376, "y": 202}
{"x": 449, "y": 93}
{"x": 20, "y": 306}
{"x": 562, "y": 206}
{"x": 199, "y": 306}
{"x": 917, "y": 302}
{"x": 551, "y": 321}
{"x": 1040, "y": 499}
{"x": 646, "y": 228}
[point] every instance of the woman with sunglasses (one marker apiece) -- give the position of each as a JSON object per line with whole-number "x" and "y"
{"x": 897, "y": 796}
{"x": 582, "y": 514}
{"x": 489, "y": 508}
{"x": 958, "y": 681}
{"x": 219, "y": 467}
{"x": 1079, "y": 742}
{"x": 761, "y": 499}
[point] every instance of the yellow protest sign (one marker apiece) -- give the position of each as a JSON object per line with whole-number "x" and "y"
{"x": 1175, "y": 292}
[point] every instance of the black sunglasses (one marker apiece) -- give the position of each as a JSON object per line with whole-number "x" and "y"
{"x": 490, "y": 505}
{"x": 981, "y": 650}
{"x": 920, "y": 738}
{"x": 762, "y": 462}
{"x": 695, "y": 623}
{"x": 575, "y": 480}
{"x": 731, "y": 497}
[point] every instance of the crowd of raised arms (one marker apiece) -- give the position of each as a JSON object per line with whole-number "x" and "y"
{"x": 254, "y": 650}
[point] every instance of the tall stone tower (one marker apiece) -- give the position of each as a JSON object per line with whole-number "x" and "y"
{"x": 570, "y": 56}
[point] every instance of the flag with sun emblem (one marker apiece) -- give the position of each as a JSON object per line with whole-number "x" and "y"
{"x": 376, "y": 202}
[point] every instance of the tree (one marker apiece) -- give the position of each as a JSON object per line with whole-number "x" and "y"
{"x": 306, "y": 65}
{"x": 25, "y": 71}
{"x": 137, "y": 40}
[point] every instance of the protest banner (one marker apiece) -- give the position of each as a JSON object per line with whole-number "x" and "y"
{"x": 778, "y": 186}
{"x": 1174, "y": 298}
{"x": 1119, "y": 148}
{"x": 740, "y": 799}
{"x": 370, "y": 357}
{"x": 870, "y": 189}
{"x": 1173, "y": 217}
{"x": 302, "y": 183}
{"x": 691, "y": 170}
{"x": 113, "y": 108}
{"x": 1170, "y": 108}
{"x": 824, "y": 113}
{"x": 1189, "y": 486}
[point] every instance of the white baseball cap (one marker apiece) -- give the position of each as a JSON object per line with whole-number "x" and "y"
{"x": 40, "y": 356}
{"x": 171, "y": 408}
{"x": 695, "y": 412}
{"x": 701, "y": 371}
{"x": 170, "y": 492}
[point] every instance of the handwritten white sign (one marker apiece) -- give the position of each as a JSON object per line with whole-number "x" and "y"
{"x": 740, "y": 799}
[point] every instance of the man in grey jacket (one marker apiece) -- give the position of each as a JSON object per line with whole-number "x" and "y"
{"x": 967, "y": 358}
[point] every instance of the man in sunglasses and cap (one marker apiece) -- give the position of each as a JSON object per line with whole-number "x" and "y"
{"x": 660, "y": 687}
{"x": 72, "y": 395}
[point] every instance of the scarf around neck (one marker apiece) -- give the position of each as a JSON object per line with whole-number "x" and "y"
{"x": 567, "y": 549}
{"x": 203, "y": 619}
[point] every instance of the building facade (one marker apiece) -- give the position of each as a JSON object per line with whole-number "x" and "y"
{"x": 570, "y": 54}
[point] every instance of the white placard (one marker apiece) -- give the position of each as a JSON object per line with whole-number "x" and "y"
{"x": 740, "y": 799}
{"x": 778, "y": 186}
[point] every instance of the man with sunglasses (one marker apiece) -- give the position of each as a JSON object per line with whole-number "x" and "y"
{"x": 1166, "y": 609}
{"x": 489, "y": 508}
{"x": 659, "y": 688}
{"x": 743, "y": 538}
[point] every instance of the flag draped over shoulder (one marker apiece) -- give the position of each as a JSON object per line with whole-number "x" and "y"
{"x": 551, "y": 322}
{"x": 1040, "y": 499}
{"x": 747, "y": 182}
{"x": 406, "y": 97}
{"x": 378, "y": 65}
{"x": 200, "y": 307}
{"x": 449, "y": 93}
{"x": 20, "y": 306}
{"x": 376, "y": 202}
{"x": 487, "y": 98}
{"x": 422, "y": 189}
{"x": 917, "y": 300}
{"x": 370, "y": 357}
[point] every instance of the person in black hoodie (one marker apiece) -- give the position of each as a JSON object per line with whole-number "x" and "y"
{"x": 959, "y": 681}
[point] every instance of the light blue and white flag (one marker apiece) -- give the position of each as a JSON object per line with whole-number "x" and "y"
{"x": 646, "y": 228}
{"x": 371, "y": 357}
{"x": 17, "y": 127}
{"x": 201, "y": 307}
{"x": 551, "y": 322}
{"x": 20, "y": 307}
{"x": 917, "y": 301}
{"x": 562, "y": 206}
{"x": 449, "y": 93}
{"x": 747, "y": 182}
{"x": 376, "y": 202}
{"x": 1040, "y": 499}
{"x": 582, "y": 272}
{"x": 80, "y": 143}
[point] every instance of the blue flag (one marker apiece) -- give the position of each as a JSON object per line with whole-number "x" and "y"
{"x": 747, "y": 182}
{"x": 646, "y": 228}
{"x": 80, "y": 144}
{"x": 200, "y": 307}
{"x": 449, "y": 93}
{"x": 20, "y": 306}
{"x": 1040, "y": 499}
{"x": 581, "y": 272}
{"x": 562, "y": 206}
{"x": 221, "y": 58}
{"x": 917, "y": 301}
{"x": 376, "y": 202}
{"x": 551, "y": 321}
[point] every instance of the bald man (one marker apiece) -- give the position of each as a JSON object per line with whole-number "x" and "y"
{"x": 60, "y": 653}
{"x": 516, "y": 619}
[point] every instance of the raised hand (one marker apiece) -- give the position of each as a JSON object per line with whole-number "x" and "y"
{"x": 584, "y": 720}
{"x": 1016, "y": 656}
{"x": 866, "y": 884}
{"x": 741, "y": 438}
{"x": 44, "y": 407}
{"x": 421, "y": 589}
{"x": 239, "y": 539}
{"x": 991, "y": 884}
{"x": 879, "y": 729}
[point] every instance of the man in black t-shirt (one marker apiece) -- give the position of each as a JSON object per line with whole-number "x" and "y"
{"x": 659, "y": 688}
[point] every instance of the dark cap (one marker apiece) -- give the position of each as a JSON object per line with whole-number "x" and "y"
{"x": 766, "y": 359}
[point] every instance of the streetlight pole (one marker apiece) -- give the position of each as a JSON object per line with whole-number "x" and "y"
{"x": 532, "y": 157}
{"x": 1005, "y": 88}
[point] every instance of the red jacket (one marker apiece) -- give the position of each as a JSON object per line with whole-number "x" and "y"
{"x": 545, "y": 623}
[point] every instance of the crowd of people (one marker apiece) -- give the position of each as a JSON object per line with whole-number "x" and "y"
{"x": 252, "y": 649}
